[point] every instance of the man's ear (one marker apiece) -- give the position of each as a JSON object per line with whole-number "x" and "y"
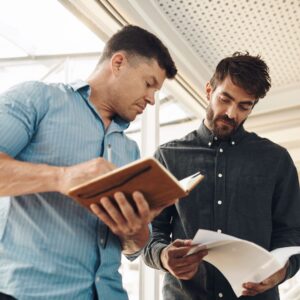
{"x": 116, "y": 62}
{"x": 208, "y": 90}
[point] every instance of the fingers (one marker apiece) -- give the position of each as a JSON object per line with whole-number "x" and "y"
{"x": 174, "y": 259}
{"x": 77, "y": 174}
{"x": 252, "y": 289}
{"x": 120, "y": 216}
{"x": 104, "y": 217}
{"x": 187, "y": 273}
{"x": 142, "y": 206}
{"x": 181, "y": 243}
{"x": 182, "y": 260}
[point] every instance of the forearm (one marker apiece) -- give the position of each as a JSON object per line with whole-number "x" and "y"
{"x": 17, "y": 177}
{"x": 160, "y": 238}
{"x": 152, "y": 254}
{"x": 131, "y": 245}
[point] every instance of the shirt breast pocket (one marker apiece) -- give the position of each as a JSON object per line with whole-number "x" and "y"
{"x": 254, "y": 197}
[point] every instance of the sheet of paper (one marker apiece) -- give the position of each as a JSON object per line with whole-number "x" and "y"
{"x": 283, "y": 254}
{"x": 240, "y": 261}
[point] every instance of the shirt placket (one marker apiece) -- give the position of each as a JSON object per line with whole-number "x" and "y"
{"x": 220, "y": 179}
{"x": 219, "y": 203}
{"x": 102, "y": 238}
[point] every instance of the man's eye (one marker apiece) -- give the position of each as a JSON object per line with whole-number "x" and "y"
{"x": 148, "y": 84}
{"x": 224, "y": 100}
{"x": 245, "y": 108}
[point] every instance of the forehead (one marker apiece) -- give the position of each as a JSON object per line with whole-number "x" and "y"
{"x": 235, "y": 91}
{"x": 150, "y": 68}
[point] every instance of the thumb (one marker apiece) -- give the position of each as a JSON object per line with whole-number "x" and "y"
{"x": 182, "y": 243}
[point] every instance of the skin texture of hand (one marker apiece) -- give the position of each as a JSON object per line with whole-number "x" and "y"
{"x": 174, "y": 260}
{"x": 74, "y": 175}
{"x": 21, "y": 178}
{"x": 129, "y": 224}
{"x": 252, "y": 289}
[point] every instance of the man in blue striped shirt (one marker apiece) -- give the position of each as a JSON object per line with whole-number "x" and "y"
{"x": 54, "y": 136}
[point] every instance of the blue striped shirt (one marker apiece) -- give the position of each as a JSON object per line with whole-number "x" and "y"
{"x": 50, "y": 247}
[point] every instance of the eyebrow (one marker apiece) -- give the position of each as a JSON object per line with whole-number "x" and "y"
{"x": 247, "y": 102}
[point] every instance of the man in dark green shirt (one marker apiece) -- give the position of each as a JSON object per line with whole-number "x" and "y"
{"x": 250, "y": 190}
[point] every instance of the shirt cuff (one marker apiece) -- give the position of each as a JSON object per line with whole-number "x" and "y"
{"x": 134, "y": 255}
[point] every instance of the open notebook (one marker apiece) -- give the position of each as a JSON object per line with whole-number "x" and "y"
{"x": 147, "y": 175}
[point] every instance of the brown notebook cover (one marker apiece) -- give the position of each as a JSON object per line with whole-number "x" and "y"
{"x": 147, "y": 175}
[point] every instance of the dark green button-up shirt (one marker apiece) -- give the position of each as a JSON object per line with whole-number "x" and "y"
{"x": 250, "y": 191}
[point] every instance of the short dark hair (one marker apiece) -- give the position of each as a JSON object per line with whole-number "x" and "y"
{"x": 138, "y": 41}
{"x": 248, "y": 72}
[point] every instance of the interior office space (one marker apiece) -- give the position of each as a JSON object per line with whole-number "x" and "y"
{"x": 69, "y": 37}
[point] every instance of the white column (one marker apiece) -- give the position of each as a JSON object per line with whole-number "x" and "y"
{"x": 149, "y": 278}
{"x": 150, "y": 129}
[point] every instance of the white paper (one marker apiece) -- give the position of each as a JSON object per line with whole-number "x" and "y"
{"x": 240, "y": 261}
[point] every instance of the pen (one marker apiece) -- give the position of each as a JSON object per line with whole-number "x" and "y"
{"x": 109, "y": 152}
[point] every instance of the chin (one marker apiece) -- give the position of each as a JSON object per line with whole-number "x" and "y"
{"x": 224, "y": 132}
{"x": 129, "y": 118}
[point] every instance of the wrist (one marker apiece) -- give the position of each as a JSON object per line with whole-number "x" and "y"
{"x": 163, "y": 259}
{"x": 59, "y": 179}
{"x": 136, "y": 242}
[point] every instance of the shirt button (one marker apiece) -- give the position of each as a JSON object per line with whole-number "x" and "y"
{"x": 232, "y": 142}
{"x": 209, "y": 144}
{"x": 215, "y": 138}
{"x": 220, "y": 175}
{"x": 97, "y": 279}
{"x": 221, "y": 150}
{"x": 219, "y": 202}
{"x": 219, "y": 231}
{"x": 102, "y": 241}
{"x": 220, "y": 295}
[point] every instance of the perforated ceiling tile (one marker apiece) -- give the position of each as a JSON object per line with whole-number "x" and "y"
{"x": 217, "y": 28}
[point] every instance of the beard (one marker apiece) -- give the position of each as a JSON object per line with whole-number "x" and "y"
{"x": 221, "y": 126}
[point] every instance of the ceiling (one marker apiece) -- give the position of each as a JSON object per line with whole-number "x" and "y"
{"x": 214, "y": 29}
{"x": 201, "y": 32}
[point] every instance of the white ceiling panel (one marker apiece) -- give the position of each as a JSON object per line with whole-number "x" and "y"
{"x": 215, "y": 29}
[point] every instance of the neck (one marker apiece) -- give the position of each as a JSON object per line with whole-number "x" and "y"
{"x": 99, "y": 83}
{"x": 206, "y": 123}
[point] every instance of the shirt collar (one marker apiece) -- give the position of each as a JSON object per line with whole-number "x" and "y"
{"x": 118, "y": 124}
{"x": 82, "y": 86}
{"x": 209, "y": 138}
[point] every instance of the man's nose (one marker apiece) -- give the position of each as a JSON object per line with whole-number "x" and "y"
{"x": 150, "y": 98}
{"x": 231, "y": 112}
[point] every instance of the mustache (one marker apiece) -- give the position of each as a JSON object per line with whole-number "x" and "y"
{"x": 227, "y": 120}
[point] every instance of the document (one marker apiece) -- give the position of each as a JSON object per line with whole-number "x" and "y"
{"x": 146, "y": 175}
{"x": 239, "y": 260}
